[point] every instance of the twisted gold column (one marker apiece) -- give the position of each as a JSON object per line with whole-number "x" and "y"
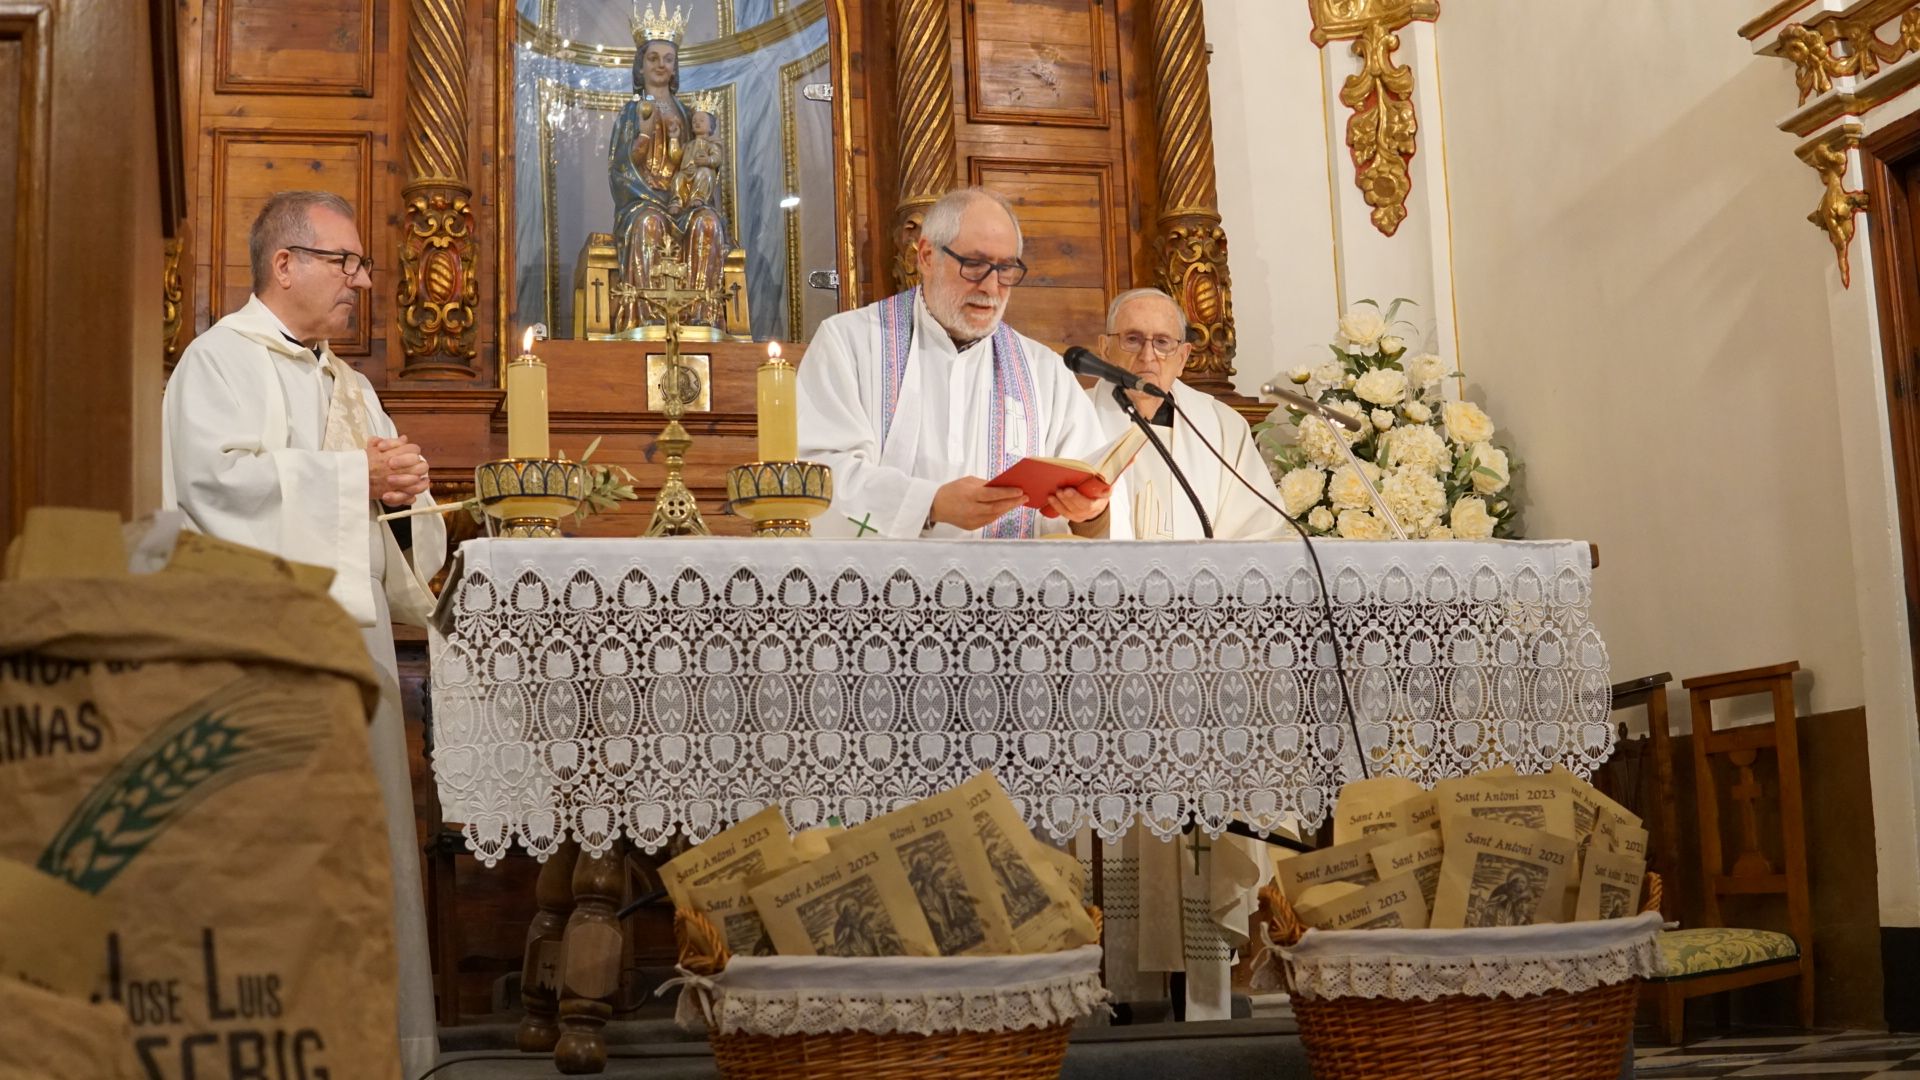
{"x": 924, "y": 89}
{"x": 438, "y": 287}
{"x": 1190, "y": 249}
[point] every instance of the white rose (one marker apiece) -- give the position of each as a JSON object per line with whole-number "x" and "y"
{"x": 1300, "y": 489}
{"x": 1363, "y": 325}
{"x": 1425, "y": 370}
{"x": 1321, "y": 519}
{"x": 1318, "y": 439}
{"x": 1391, "y": 344}
{"x": 1465, "y": 423}
{"x": 1360, "y": 525}
{"x": 1493, "y": 459}
{"x": 1439, "y": 532}
{"x": 1347, "y": 492}
{"x": 1470, "y": 519}
{"x": 1382, "y": 419}
{"x": 1416, "y": 497}
{"x": 1417, "y": 412}
{"x": 1418, "y": 447}
{"x": 1383, "y": 386}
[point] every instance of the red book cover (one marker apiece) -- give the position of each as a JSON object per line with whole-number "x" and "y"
{"x": 1041, "y": 477}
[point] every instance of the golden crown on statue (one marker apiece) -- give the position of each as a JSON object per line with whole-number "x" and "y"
{"x": 648, "y": 26}
{"x": 706, "y": 101}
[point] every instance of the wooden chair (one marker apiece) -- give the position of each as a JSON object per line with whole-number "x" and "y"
{"x": 1657, "y": 802}
{"x": 1715, "y": 958}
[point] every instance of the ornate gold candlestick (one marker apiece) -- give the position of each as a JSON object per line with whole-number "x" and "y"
{"x": 675, "y": 511}
{"x": 779, "y": 494}
{"x": 527, "y": 492}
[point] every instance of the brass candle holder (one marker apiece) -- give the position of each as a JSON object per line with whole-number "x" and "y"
{"x": 526, "y": 497}
{"x": 675, "y": 511}
{"x": 781, "y": 498}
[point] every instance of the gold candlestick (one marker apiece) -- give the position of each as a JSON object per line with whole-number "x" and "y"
{"x": 777, "y": 493}
{"x": 527, "y": 492}
{"x": 675, "y": 511}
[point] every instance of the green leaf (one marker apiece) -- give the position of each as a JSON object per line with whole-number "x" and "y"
{"x": 591, "y": 447}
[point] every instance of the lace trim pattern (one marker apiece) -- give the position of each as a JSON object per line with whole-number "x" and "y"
{"x": 597, "y": 689}
{"x": 733, "y": 1010}
{"x": 1409, "y": 976}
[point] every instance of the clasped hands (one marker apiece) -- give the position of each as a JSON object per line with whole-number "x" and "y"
{"x": 968, "y": 503}
{"x": 396, "y": 470}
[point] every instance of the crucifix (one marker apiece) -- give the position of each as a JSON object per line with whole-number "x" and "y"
{"x": 675, "y": 511}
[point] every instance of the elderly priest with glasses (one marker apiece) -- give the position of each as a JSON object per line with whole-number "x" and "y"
{"x": 921, "y": 399}
{"x": 270, "y": 440}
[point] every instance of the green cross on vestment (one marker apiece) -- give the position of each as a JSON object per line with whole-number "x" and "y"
{"x": 864, "y": 524}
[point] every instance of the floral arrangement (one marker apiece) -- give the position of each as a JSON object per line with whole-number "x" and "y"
{"x": 1432, "y": 460}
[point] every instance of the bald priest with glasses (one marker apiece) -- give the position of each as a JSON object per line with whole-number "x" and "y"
{"x": 270, "y": 440}
{"x": 921, "y": 399}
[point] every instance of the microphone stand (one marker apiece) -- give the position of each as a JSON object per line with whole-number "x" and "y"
{"x": 1126, "y": 406}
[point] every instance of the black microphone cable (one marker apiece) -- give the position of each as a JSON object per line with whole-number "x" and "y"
{"x": 1326, "y": 595}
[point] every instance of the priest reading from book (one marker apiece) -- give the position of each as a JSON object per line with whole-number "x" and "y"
{"x": 1146, "y": 334}
{"x": 919, "y": 401}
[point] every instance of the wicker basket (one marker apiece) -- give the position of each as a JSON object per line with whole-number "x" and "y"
{"x": 1033, "y": 1053}
{"x": 1550, "y": 1036}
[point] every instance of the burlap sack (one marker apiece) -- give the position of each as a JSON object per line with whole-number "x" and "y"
{"x": 193, "y": 752}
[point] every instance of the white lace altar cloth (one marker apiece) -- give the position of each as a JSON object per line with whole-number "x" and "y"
{"x": 889, "y": 995}
{"x": 593, "y": 689}
{"x": 1520, "y": 961}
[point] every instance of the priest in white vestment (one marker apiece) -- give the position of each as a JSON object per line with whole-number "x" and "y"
{"x": 270, "y": 440}
{"x": 1180, "y": 907}
{"x": 918, "y": 400}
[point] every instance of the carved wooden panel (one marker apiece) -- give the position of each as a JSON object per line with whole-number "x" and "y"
{"x": 249, "y": 166}
{"x": 22, "y": 224}
{"x": 300, "y": 47}
{"x": 1068, "y": 219}
{"x": 1036, "y": 61}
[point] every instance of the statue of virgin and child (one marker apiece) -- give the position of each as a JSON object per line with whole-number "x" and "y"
{"x": 663, "y": 167}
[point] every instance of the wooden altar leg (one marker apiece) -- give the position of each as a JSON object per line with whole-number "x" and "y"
{"x": 540, "y": 971}
{"x": 590, "y": 963}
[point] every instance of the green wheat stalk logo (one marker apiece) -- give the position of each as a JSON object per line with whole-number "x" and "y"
{"x": 248, "y": 727}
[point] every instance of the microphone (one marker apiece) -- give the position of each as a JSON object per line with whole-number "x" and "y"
{"x": 1082, "y": 362}
{"x": 1308, "y": 405}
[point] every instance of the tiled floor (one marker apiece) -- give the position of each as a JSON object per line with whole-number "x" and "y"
{"x": 1852, "y": 1055}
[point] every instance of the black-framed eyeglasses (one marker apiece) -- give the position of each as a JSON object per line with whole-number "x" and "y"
{"x": 351, "y": 262}
{"x": 976, "y": 270}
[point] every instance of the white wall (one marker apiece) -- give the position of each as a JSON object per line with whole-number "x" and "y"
{"x": 1641, "y": 305}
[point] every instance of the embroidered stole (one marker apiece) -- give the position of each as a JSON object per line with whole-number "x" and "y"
{"x": 1012, "y": 383}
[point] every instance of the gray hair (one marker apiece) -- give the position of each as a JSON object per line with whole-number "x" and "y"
{"x": 942, "y": 222}
{"x": 286, "y": 222}
{"x": 1128, "y": 297}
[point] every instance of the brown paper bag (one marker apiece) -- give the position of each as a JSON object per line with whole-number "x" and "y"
{"x": 1391, "y": 903}
{"x": 1533, "y": 802}
{"x": 1620, "y": 832}
{"x": 1610, "y": 885}
{"x": 1421, "y": 811}
{"x": 1046, "y": 914}
{"x": 1350, "y": 862}
{"x": 756, "y": 849}
{"x": 728, "y": 906}
{"x": 946, "y": 864}
{"x": 1495, "y": 874}
{"x": 855, "y": 902}
{"x": 49, "y": 1036}
{"x": 1364, "y": 807}
{"x": 197, "y": 759}
{"x": 1588, "y": 804}
{"x": 1419, "y": 854}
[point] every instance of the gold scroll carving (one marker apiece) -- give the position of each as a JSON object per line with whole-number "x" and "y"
{"x": 1190, "y": 249}
{"x": 438, "y": 289}
{"x": 1847, "y": 46}
{"x": 172, "y": 295}
{"x": 1381, "y": 132}
{"x": 1828, "y": 155}
{"x": 924, "y": 86}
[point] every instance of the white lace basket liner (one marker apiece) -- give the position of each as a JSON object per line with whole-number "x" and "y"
{"x": 1422, "y": 965}
{"x": 819, "y": 995}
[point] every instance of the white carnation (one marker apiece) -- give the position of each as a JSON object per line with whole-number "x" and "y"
{"x": 1439, "y": 532}
{"x": 1465, "y": 423}
{"x": 1347, "y": 492}
{"x": 1470, "y": 519}
{"x": 1382, "y": 419}
{"x": 1301, "y": 488}
{"x": 1417, "y": 412}
{"x": 1418, "y": 447}
{"x": 1363, "y": 325}
{"x": 1330, "y": 373}
{"x": 1382, "y": 386}
{"x": 1494, "y": 460}
{"x": 1321, "y": 519}
{"x": 1416, "y": 497}
{"x": 1322, "y": 446}
{"x": 1360, "y": 525}
{"x": 1425, "y": 370}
